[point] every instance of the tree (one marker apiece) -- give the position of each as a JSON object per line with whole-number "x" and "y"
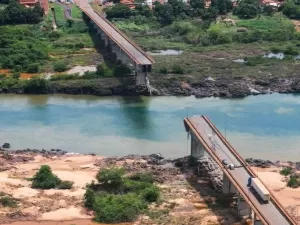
{"x": 118, "y": 11}
{"x": 247, "y": 9}
{"x": 60, "y": 67}
{"x": 291, "y": 9}
{"x": 70, "y": 23}
{"x": 143, "y": 10}
{"x": 33, "y": 68}
{"x": 197, "y": 4}
{"x": 16, "y": 13}
{"x": 269, "y": 10}
{"x": 164, "y": 13}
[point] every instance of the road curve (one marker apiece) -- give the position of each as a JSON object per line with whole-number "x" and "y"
{"x": 270, "y": 213}
{"x": 131, "y": 49}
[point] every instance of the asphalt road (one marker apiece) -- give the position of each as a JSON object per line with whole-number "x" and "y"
{"x": 124, "y": 44}
{"x": 269, "y": 211}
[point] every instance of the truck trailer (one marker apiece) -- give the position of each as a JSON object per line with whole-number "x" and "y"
{"x": 259, "y": 188}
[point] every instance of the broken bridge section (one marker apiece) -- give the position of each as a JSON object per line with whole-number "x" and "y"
{"x": 118, "y": 43}
{"x": 207, "y": 141}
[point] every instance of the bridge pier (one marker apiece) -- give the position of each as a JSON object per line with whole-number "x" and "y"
{"x": 228, "y": 187}
{"x": 243, "y": 208}
{"x": 197, "y": 150}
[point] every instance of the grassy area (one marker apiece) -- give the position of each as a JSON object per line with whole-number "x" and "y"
{"x": 266, "y": 23}
{"x": 59, "y": 12}
{"x": 45, "y": 47}
{"x": 211, "y": 51}
{"x": 76, "y": 12}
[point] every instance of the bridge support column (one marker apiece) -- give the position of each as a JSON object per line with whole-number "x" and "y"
{"x": 243, "y": 208}
{"x": 256, "y": 221}
{"x": 228, "y": 187}
{"x": 197, "y": 150}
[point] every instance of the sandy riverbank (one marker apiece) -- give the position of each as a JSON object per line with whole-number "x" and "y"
{"x": 188, "y": 199}
{"x": 277, "y": 183}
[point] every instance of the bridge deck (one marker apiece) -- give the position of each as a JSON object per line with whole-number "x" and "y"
{"x": 133, "y": 51}
{"x": 270, "y": 213}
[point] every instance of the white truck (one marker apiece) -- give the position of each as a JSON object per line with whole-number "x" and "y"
{"x": 259, "y": 188}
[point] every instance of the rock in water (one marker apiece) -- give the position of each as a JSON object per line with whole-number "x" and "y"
{"x": 6, "y": 145}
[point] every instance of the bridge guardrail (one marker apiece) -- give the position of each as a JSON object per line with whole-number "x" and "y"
{"x": 243, "y": 162}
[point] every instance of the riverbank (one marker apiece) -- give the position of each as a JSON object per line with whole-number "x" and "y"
{"x": 185, "y": 197}
{"x": 237, "y": 87}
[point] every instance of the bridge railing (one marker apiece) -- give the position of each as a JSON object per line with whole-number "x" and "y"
{"x": 243, "y": 162}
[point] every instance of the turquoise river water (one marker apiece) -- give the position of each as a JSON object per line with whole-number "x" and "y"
{"x": 266, "y": 126}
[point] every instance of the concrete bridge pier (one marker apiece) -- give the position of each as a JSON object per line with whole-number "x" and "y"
{"x": 244, "y": 210}
{"x": 197, "y": 150}
{"x": 228, "y": 187}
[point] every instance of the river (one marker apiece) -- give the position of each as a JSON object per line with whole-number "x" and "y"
{"x": 266, "y": 126}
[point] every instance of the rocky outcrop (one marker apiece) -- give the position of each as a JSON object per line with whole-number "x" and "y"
{"x": 259, "y": 163}
{"x": 225, "y": 87}
{"x": 208, "y": 168}
{"x": 229, "y": 87}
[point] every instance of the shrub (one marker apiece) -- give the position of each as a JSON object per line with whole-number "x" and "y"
{"x": 65, "y": 184}
{"x": 8, "y": 201}
{"x": 33, "y": 68}
{"x": 134, "y": 186}
{"x": 275, "y": 50}
{"x": 16, "y": 75}
{"x": 104, "y": 71}
{"x": 60, "y": 67}
{"x": 290, "y": 51}
{"x": 64, "y": 77}
{"x": 89, "y": 198}
{"x": 254, "y": 60}
{"x": 79, "y": 45}
{"x": 177, "y": 69}
{"x": 286, "y": 171}
{"x": 121, "y": 70}
{"x": 36, "y": 85}
{"x": 45, "y": 179}
{"x": 118, "y": 208}
{"x": 143, "y": 177}
{"x": 293, "y": 182}
{"x": 151, "y": 194}
{"x": 111, "y": 177}
{"x": 163, "y": 70}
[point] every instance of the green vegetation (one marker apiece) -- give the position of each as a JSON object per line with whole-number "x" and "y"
{"x": 286, "y": 171}
{"x": 294, "y": 181}
{"x": 60, "y": 67}
{"x": 37, "y": 48}
{"x": 117, "y": 198}
{"x": 14, "y": 13}
{"x": 8, "y": 201}
{"x": 45, "y": 179}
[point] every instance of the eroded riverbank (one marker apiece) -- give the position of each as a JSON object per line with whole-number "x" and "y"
{"x": 229, "y": 87}
{"x": 186, "y": 197}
